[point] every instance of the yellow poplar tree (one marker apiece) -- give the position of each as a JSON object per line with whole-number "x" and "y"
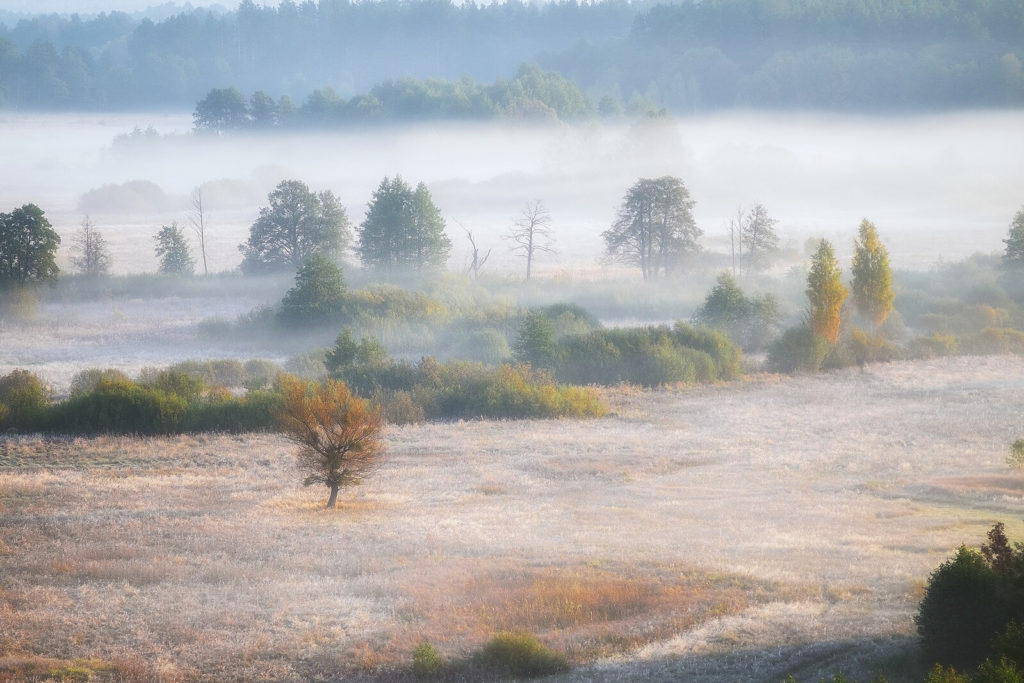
{"x": 872, "y": 279}
{"x": 826, "y": 293}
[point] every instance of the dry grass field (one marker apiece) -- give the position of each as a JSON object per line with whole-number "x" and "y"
{"x": 734, "y": 532}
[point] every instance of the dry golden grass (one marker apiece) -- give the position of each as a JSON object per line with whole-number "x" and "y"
{"x": 718, "y": 533}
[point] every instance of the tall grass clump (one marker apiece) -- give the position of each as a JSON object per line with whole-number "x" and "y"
{"x": 427, "y": 662}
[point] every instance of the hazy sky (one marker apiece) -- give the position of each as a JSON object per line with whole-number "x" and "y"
{"x": 97, "y": 6}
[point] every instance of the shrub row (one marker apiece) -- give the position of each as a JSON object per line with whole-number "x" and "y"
{"x": 430, "y": 389}
{"x": 108, "y": 402}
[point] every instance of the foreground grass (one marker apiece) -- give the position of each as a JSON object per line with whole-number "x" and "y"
{"x": 711, "y": 534}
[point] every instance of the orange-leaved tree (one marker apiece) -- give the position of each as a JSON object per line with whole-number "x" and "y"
{"x": 337, "y": 432}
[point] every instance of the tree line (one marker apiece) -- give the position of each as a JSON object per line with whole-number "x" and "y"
{"x": 686, "y": 56}
{"x": 533, "y": 94}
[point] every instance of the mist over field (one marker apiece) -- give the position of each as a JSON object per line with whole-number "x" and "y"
{"x": 690, "y": 346}
{"x": 941, "y": 186}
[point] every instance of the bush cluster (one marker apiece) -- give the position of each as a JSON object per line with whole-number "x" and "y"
{"x": 648, "y": 356}
{"x": 430, "y": 389}
{"x": 973, "y": 611}
{"x": 507, "y": 655}
{"x": 109, "y": 402}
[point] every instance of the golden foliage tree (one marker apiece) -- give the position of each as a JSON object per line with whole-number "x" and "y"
{"x": 872, "y": 279}
{"x": 826, "y": 293}
{"x": 337, "y": 432}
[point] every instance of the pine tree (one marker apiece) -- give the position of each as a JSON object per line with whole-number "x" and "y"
{"x": 872, "y": 279}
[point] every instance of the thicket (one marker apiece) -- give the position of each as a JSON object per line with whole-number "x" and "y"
{"x": 166, "y": 401}
{"x": 430, "y": 389}
{"x": 973, "y": 611}
{"x": 508, "y": 655}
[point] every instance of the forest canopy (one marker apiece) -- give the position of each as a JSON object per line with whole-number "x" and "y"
{"x": 686, "y": 56}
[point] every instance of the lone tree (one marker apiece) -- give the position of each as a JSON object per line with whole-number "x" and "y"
{"x": 89, "y": 251}
{"x": 337, "y": 433}
{"x": 28, "y": 247}
{"x": 826, "y": 293}
{"x": 403, "y": 229}
{"x": 531, "y": 234}
{"x": 872, "y": 279}
{"x": 297, "y": 224}
{"x": 1014, "y": 254}
{"x": 655, "y": 228}
{"x": 318, "y": 297}
{"x": 173, "y": 252}
{"x": 758, "y": 237}
{"x": 197, "y": 218}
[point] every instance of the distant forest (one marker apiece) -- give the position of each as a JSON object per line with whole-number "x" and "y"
{"x": 690, "y": 56}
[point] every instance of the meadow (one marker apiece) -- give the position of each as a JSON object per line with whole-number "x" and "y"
{"x": 739, "y": 531}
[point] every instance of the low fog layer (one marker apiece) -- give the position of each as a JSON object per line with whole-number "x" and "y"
{"x": 938, "y": 187}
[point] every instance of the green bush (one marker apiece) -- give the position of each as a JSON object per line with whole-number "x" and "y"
{"x": 1005, "y": 671}
{"x": 517, "y": 653}
{"x": 253, "y": 412}
{"x": 648, "y": 356}
{"x": 427, "y": 662}
{"x": 962, "y": 610}
{"x": 23, "y": 396}
{"x": 871, "y": 348}
{"x": 117, "y": 407}
{"x": 942, "y": 674}
{"x": 798, "y": 350}
{"x": 86, "y": 380}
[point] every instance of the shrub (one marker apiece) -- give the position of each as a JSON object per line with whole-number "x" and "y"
{"x": 995, "y": 340}
{"x": 1016, "y": 456}
{"x": 871, "y": 348}
{"x": 517, "y": 653}
{"x": 86, "y": 380}
{"x": 933, "y": 346}
{"x": 118, "y": 407}
{"x": 23, "y": 396}
{"x": 173, "y": 383}
{"x": 942, "y": 674}
{"x": 648, "y": 356}
{"x": 536, "y": 343}
{"x": 962, "y": 610}
{"x": 486, "y": 345}
{"x": 1005, "y": 671}
{"x": 427, "y": 662}
{"x": 798, "y": 350}
{"x": 224, "y": 412}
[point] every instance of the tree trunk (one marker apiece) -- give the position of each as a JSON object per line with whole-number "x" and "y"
{"x": 333, "y": 498}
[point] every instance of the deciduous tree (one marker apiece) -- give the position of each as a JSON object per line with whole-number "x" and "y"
{"x": 655, "y": 228}
{"x": 338, "y": 433}
{"x": 759, "y": 238}
{"x": 403, "y": 229}
{"x": 222, "y": 109}
{"x": 28, "y": 247}
{"x": 872, "y": 279}
{"x": 296, "y": 224}
{"x": 89, "y": 251}
{"x": 531, "y": 234}
{"x": 318, "y": 297}
{"x": 173, "y": 252}
{"x": 825, "y": 293}
{"x": 1014, "y": 254}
